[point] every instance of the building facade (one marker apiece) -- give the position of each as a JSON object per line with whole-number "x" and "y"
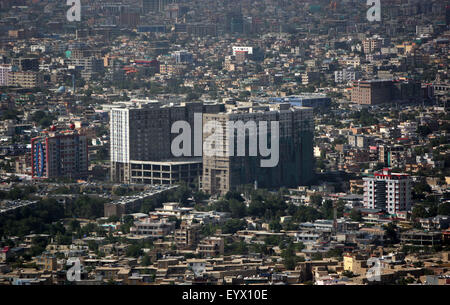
{"x": 388, "y": 191}
{"x": 225, "y": 172}
{"x": 4, "y": 74}
{"x": 372, "y": 92}
{"x": 141, "y": 141}
{"x": 59, "y": 155}
{"x": 346, "y": 75}
{"x": 25, "y": 79}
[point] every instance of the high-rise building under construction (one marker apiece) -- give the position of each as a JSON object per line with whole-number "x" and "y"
{"x": 222, "y": 173}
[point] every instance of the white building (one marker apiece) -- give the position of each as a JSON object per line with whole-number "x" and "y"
{"x": 424, "y": 30}
{"x": 154, "y": 228}
{"x": 345, "y": 76}
{"x": 4, "y": 72}
{"x": 388, "y": 191}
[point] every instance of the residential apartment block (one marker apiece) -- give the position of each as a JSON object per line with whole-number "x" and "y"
{"x": 59, "y": 155}
{"x": 388, "y": 191}
{"x": 24, "y": 79}
{"x": 346, "y": 75}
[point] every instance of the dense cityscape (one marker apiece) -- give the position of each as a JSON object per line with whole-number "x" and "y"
{"x": 118, "y": 159}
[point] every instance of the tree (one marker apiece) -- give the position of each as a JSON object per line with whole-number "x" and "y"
{"x": 43, "y": 119}
{"x": 221, "y": 206}
{"x": 38, "y": 245}
{"x": 181, "y": 194}
{"x": 120, "y": 191}
{"x": 391, "y": 233}
{"x": 444, "y": 209}
{"x": 316, "y": 200}
{"x": 424, "y": 130}
{"x": 236, "y": 248}
{"x": 233, "y": 225}
{"x": 275, "y": 225}
{"x": 134, "y": 250}
{"x": 419, "y": 211}
{"x": 289, "y": 256}
{"x": 237, "y": 209}
{"x": 149, "y": 204}
{"x": 191, "y": 96}
{"x": 421, "y": 188}
{"x": 199, "y": 196}
{"x": 304, "y": 213}
{"x": 113, "y": 218}
{"x": 234, "y": 195}
{"x": 74, "y": 225}
{"x": 348, "y": 273}
{"x": 93, "y": 246}
{"x": 356, "y": 215}
{"x": 289, "y": 263}
{"x": 146, "y": 260}
{"x": 327, "y": 209}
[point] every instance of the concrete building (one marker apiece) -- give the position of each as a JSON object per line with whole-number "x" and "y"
{"x": 424, "y": 30}
{"x": 155, "y": 229}
{"x": 154, "y": 5}
{"x": 165, "y": 172}
{"x": 222, "y": 173}
{"x": 310, "y": 77}
{"x": 59, "y": 155}
{"x": 388, "y": 191}
{"x": 371, "y": 45}
{"x": 211, "y": 246}
{"x": 188, "y": 235}
{"x": 381, "y": 91}
{"x": 133, "y": 204}
{"x": 4, "y": 74}
{"x": 183, "y": 57}
{"x": 87, "y": 65}
{"x": 305, "y": 100}
{"x": 24, "y": 79}
{"x": 26, "y": 63}
{"x": 346, "y": 75}
{"x": 360, "y": 141}
{"x": 141, "y": 142}
{"x": 421, "y": 238}
{"x": 372, "y": 92}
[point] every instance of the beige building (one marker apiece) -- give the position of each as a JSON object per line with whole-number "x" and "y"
{"x": 211, "y": 246}
{"x": 372, "y": 92}
{"x": 25, "y": 79}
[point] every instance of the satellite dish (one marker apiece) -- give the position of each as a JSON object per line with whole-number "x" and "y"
{"x": 198, "y": 268}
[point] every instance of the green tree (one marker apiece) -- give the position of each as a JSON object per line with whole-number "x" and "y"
{"x": 419, "y": 211}
{"x": 233, "y": 225}
{"x": 356, "y": 215}
{"x": 146, "y": 260}
{"x": 316, "y": 200}
{"x": 391, "y": 233}
{"x": 134, "y": 250}
{"x": 237, "y": 208}
{"x": 444, "y": 209}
